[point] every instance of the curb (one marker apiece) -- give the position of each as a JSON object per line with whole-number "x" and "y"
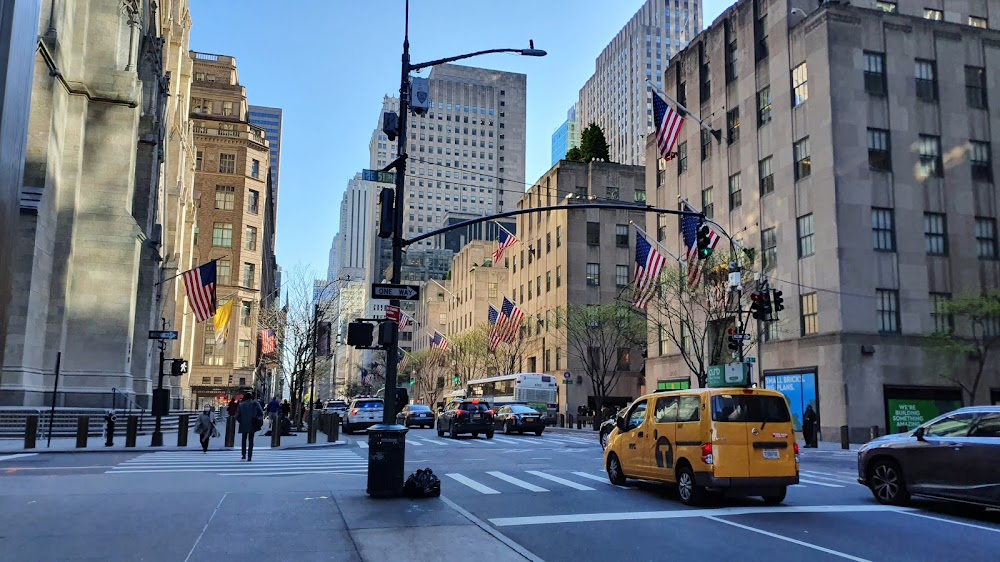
{"x": 194, "y": 448}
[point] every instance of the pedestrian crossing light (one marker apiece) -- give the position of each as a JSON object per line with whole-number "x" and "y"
{"x": 178, "y": 367}
{"x": 755, "y": 306}
{"x": 456, "y": 379}
{"x": 704, "y": 241}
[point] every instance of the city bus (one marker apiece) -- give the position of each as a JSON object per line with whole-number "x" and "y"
{"x": 537, "y": 390}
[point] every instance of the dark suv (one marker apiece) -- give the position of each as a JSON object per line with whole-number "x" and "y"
{"x": 466, "y": 416}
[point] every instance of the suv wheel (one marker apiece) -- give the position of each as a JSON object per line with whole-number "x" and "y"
{"x": 440, "y": 431}
{"x": 886, "y": 483}
{"x": 489, "y": 435}
{"x": 451, "y": 432}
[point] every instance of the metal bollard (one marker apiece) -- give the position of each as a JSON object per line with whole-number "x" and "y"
{"x": 313, "y": 421}
{"x": 82, "y": 427}
{"x": 873, "y": 432}
{"x": 182, "y": 430}
{"x": 334, "y": 434}
{"x": 579, "y": 422}
{"x": 109, "y": 429}
{"x": 562, "y": 420}
{"x": 131, "y": 430}
{"x": 845, "y": 442}
{"x": 275, "y": 430}
{"x": 30, "y": 432}
{"x": 231, "y": 431}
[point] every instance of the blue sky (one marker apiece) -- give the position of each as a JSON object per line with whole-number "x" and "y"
{"x": 328, "y": 63}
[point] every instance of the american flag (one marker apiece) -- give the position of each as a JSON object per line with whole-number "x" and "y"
{"x": 668, "y": 126}
{"x": 401, "y": 318}
{"x": 377, "y": 369}
{"x": 689, "y": 228}
{"x": 510, "y": 321}
{"x": 268, "y": 342}
{"x": 491, "y": 338}
{"x": 438, "y": 341}
{"x": 400, "y": 356}
{"x": 366, "y": 378}
{"x": 648, "y": 262}
{"x": 199, "y": 284}
{"x": 504, "y": 241}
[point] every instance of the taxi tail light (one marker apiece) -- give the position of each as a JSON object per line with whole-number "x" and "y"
{"x": 706, "y": 453}
{"x": 796, "y": 452}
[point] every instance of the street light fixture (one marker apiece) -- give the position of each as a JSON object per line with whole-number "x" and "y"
{"x": 386, "y": 447}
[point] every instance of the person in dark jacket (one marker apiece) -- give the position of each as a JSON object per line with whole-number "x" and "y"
{"x": 250, "y": 416}
{"x": 286, "y": 408}
{"x": 231, "y": 410}
{"x": 205, "y": 427}
{"x": 809, "y": 420}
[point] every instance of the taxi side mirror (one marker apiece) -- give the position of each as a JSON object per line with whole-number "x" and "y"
{"x": 621, "y": 423}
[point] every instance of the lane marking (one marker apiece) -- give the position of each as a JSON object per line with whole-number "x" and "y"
{"x": 952, "y": 521}
{"x": 438, "y": 443}
{"x": 362, "y": 444}
{"x": 602, "y": 479}
{"x": 684, "y": 513}
{"x": 562, "y": 481}
{"x": 205, "y": 528}
{"x": 414, "y": 442}
{"x": 815, "y": 483}
{"x": 16, "y": 469}
{"x": 504, "y": 439}
{"x": 516, "y": 481}
{"x": 471, "y": 483}
{"x": 789, "y": 539}
{"x": 17, "y": 456}
{"x": 830, "y": 477}
{"x": 296, "y": 473}
{"x": 492, "y": 532}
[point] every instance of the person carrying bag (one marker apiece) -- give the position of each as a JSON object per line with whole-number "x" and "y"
{"x": 205, "y": 427}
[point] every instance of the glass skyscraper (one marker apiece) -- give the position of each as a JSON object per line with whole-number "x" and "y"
{"x": 269, "y": 119}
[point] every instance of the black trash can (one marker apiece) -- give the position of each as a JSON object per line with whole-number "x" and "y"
{"x": 386, "y": 451}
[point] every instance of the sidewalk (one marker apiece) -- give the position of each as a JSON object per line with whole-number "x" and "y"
{"x": 298, "y": 440}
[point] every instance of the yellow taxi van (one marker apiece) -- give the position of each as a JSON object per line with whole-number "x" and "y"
{"x": 737, "y": 441}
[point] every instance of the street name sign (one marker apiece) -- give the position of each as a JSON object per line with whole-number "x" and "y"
{"x": 744, "y": 337}
{"x": 378, "y": 176}
{"x": 388, "y": 291}
{"x": 162, "y": 335}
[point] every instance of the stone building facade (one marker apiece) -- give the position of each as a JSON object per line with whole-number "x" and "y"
{"x": 95, "y": 212}
{"x": 574, "y": 257}
{"x": 857, "y": 159}
{"x": 476, "y": 283}
{"x": 232, "y": 191}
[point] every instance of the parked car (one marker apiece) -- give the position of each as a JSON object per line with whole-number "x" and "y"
{"x": 364, "y": 413}
{"x": 416, "y": 414}
{"x": 953, "y": 457}
{"x": 519, "y": 419}
{"x": 466, "y": 416}
{"x": 606, "y": 428}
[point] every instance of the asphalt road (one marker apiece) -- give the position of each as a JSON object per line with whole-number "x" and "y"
{"x": 548, "y": 495}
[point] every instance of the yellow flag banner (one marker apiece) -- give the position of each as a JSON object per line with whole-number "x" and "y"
{"x": 221, "y": 322}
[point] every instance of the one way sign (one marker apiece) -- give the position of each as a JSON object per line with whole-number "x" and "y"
{"x": 387, "y": 291}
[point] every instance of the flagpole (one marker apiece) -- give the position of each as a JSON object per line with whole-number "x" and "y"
{"x": 192, "y": 269}
{"x": 717, "y": 133}
{"x": 500, "y": 226}
{"x": 655, "y": 241}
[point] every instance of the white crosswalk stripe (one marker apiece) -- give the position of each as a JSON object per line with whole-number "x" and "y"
{"x": 562, "y": 481}
{"x": 266, "y": 462}
{"x": 517, "y": 481}
{"x": 363, "y": 444}
{"x": 16, "y": 456}
{"x": 472, "y": 483}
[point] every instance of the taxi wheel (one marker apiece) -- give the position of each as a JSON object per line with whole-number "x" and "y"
{"x": 689, "y": 492}
{"x": 615, "y": 473}
{"x": 887, "y": 484}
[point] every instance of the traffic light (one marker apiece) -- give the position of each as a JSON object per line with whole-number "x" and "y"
{"x": 755, "y": 306}
{"x": 704, "y": 241}
{"x": 456, "y": 379}
{"x": 765, "y": 304}
{"x": 734, "y": 344}
{"x": 778, "y": 301}
{"x": 412, "y": 381}
{"x": 387, "y": 213}
{"x": 360, "y": 334}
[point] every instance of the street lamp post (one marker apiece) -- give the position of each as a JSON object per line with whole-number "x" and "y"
{"x": 386, "y": 479}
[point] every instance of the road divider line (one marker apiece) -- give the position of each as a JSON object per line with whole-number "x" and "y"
{"x": 17, "y": 456}
{"x": 815, "y": 483}
{"x": 516, "y": 481}
{"x": 789, "y": 539}
{"x": 686, "y": 513}
{"x": 205, "y": 528}
{"x": 482, "y": 489}
{"x": 562, "y": 481}
{"x": 952, "y": 521}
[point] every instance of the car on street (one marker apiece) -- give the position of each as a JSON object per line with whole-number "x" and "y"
{"x": 517, "y": 418}
{"x": 952, "y": 457}
{"x": 337, "y": 407}
{"x": 736, "y": 441}
{"x": 416, "y": 414}
{"x": 466, "y": 416}
{"x": 363, "y": 413}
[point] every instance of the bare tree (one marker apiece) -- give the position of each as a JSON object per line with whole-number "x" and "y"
{"x": 600, "y": 336}
{"x": 429, "y": 374}
{"x": 696, "y": 319}
{"x": 504, "y": 359}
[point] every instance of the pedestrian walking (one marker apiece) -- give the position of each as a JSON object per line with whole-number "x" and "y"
{"x": 205, "y": 427}
{"x": 286, "y": 408}
{"x": 250, "y": 416}
{"x": 809, "y": 422}
{"x": 231, "y": 409}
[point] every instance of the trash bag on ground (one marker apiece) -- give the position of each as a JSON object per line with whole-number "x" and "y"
{"x": 422, "y": 484}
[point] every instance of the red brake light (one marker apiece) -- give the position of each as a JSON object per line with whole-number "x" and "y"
{"x": 747, "y": 391}
{"x": 796, "y": 449}
{"x": 354, "y": 411}
{"x": 490, "y": 412}
{"x": 459, "y": 412}
{"x": 706, "y": 454}
{"x": 475, "y": 401}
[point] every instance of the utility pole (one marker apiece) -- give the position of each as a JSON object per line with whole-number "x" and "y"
{"x": 312, "y": 384}
{"x": 157, "y": 440}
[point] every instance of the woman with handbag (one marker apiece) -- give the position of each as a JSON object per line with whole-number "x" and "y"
{"x": 205, "y": 427}
{"x": 250, "y": 416}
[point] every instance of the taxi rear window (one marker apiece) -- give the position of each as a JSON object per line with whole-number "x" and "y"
{"x": 752, "y": 408}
